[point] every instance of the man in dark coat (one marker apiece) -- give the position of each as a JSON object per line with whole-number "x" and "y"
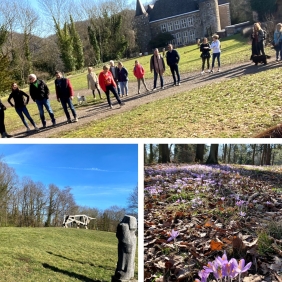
{"x": 64, "y": 92}
{"x": 172, "y": 59}
{"x": 39, "y": 93}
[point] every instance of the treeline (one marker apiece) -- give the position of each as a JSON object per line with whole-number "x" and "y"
{"x": 25, "y": 203}
{"x": 253, "y": 154}
{"x": 79, "y": 34}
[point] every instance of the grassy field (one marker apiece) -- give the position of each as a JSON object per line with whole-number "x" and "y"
{"x": 234, "y": 108}
{"x": 241, "y": 107}
{"x": 57, "y": 254}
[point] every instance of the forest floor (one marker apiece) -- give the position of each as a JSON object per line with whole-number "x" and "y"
{"x": 212, "y": 209}
{"x": 88, "y": 113}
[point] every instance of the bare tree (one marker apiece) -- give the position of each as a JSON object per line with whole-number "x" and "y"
{"x": 132, "y": 201}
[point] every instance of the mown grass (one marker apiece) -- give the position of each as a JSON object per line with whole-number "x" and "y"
{"x": 240, "y": 107}
{"x": 57, "y": 254}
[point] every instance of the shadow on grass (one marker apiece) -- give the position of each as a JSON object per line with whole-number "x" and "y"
{"x": 272, "y": 178}
{"x": 69, "y": 273}
{"x": 81, "y": 262}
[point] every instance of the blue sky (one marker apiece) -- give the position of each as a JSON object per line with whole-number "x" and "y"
{"x": 100, "y": 175}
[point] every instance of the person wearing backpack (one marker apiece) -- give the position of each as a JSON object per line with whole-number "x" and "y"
{"x": 277, "y": 41}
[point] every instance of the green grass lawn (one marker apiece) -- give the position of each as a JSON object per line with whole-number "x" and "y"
{"x": 241, "y": 107}
{"x": 57, "y": 254}
{"x": 233, "y": 108}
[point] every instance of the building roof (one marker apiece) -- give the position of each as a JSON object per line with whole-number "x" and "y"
{"x": 169, "y": 8}
{"x": 140, "y": 10}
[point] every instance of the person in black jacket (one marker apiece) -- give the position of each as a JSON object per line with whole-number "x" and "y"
{"x": 3, "y": 132}
{"x": 39, "y": 93}
{"x": 20, "y": 105}
{"x": 172, "y": 60}
{"x": 205, "y": 48}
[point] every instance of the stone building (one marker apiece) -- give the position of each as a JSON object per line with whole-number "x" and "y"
{"x": 186, "y": 20}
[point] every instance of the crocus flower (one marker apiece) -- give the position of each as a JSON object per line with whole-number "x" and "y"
{"x": 241, "y": 267}
{"x": 242, "y": 213}
{"x": 203, "y": 275}
{"x": 173, "y": 235}
{"x": 228, "y": 269}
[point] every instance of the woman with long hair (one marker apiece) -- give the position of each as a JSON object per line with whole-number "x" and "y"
{"x": 21, "y": 99}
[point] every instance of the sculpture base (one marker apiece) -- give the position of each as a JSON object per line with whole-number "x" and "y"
{"x": 114, "y": 279}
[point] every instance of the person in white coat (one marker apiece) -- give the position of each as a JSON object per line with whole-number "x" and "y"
{"x": 215, "y": 47}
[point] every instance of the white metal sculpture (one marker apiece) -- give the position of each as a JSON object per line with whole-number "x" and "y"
{"x": 80, "y": 219}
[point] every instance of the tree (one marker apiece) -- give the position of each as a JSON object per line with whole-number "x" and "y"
{"x": 161, "y": 39}
{"x": 77, "y": 46}
{"x": 213, "y": 155}
{"x": 164, "y": 154}
{"x": 200, "y": 150}
{"x": 132, "y": 201}
{"x": 264, "y": 8}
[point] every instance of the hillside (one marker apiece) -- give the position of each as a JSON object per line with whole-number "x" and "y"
{"x": 57, "y": 254}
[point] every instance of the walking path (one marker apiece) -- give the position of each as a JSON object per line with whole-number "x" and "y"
{"x": 189, "y": 81}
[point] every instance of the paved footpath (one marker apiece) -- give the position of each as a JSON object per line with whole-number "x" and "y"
{"x": 189, "y": 81}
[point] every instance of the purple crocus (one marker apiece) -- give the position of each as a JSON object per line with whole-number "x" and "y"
{"x": 203, "y": 275}
{"x": 241, "y": 267}
{"x": 173, "y": 235}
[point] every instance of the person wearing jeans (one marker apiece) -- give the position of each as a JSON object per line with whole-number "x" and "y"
{"x": 157, "y": 64}
{"x": 39, "y": 93}
{"x": 215, "y": 47}
{"x": 108, "y": 85}
{"x": 64, "y": 93}
{"x": 172, "y": 59}
{"x": 122, "y": 76}
{"x": 20, "y": 105}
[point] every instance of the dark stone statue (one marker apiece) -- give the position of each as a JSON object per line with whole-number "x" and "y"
{"x": 126, "y": 249}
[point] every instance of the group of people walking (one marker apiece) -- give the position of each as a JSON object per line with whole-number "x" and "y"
{"x": 114, "y": 79}
{"x": 39, "y": 93}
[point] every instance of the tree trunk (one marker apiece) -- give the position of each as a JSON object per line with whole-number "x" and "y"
{"x": 164, "y": 153}
{"x": 151, "y": 155}
{"x": 200, "y": 149}
{"x": 254, "y": 153}
{"x": 229, "y": 154}
{"x": 224, "y": 152}
{"x": 213, "y": 155}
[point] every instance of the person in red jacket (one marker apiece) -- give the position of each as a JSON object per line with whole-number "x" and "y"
{"x": 108, "y": 84}
{"x": 139, "y": 73}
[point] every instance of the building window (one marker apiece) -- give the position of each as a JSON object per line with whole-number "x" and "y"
{"x": 176, "y": 25}
{"x": 190, "y": 21}
{"x": 178, "y": 38}
{"x": 192, "y": 35}
{"x": 170, "y": 27}
{"x": 163, "y": 28}
{"x": 185, "y": 37}
{"x": 183, "y": 23}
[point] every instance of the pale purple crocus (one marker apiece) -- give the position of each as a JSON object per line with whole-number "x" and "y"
{"x": 203, "y": 275}
{"x": 173, "y": 235}
{"x": 228, "y": 269}
{"x": 241, "y": 267}
{"x": 242, "y": 213}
